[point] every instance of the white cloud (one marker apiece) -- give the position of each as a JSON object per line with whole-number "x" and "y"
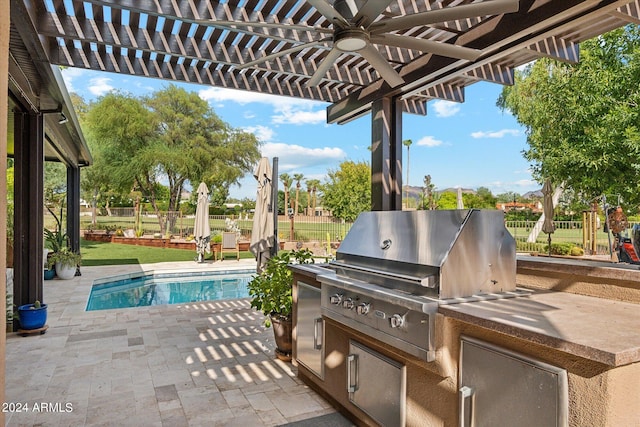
{"x": 429, "y": 141}
{"x": 495, "y": 134}
{"x": 291, "y": 116}
{"x": 216, "y": 94}
{"x": 286, "y": 110}
{"x": 445, "y": 108}
{"x": 100, "y": 86}
{"x": 263, "y": 133}
{"x": 295, "y": 157}
{"x": 69, "y": 75}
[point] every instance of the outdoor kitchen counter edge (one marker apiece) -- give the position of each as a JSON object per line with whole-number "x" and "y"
{"x": 597, "y": 329}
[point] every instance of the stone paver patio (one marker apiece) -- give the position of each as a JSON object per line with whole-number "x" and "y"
{"x": 196, "y": 364}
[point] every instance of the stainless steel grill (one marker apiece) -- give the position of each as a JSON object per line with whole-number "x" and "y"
{"x": 395, "y": 268}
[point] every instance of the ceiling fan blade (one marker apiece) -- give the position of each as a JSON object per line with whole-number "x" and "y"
{"x": 381, "y": 65}
{"x": 487, "y": 7}
{"x": 281, "y": 53}
{"x": 235, "y": 24}
{"x": 369, "y": 12}
{"x": 329, "y": 12}
{"x": 437, "y": 48}
{"x": 324, "y": 66}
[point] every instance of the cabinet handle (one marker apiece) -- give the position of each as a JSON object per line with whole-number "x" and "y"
{"x": 352, "y": 360}
{"x": 466, "y": 396}
{"x": 317, "y": 333}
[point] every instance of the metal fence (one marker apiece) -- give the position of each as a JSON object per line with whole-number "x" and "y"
{"x": 323, "y": 229}
{"x": 299, "y": 228}
{"x": 593, "y": 240}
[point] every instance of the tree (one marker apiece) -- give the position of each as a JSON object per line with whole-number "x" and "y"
{"x": 172, "y": 135}
{"x": 428, "y": 191}
{"x": 348, "y": 190}
{"x": 482, "y": 199}
{"x": 582, "y": 119}
{"x": 314, "y": 184}
{"x": 196, "y": 145}
{"x": 298, "y": 177}
{"x": 286, "y": 184}
{"x": 448, "y": 200}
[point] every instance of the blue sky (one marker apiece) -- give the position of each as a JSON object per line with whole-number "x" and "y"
{"x": 469, "y": 145}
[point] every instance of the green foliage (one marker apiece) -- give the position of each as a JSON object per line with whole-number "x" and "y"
{"x": 172, "y": 133}
{"x": 448, "y": 200}
{"x": 582, "y": 119}
{"x": 564, "y": 249}
{"x": 65, "y": 257}
{"x": 271, "y": 290}
{"x": 56, "y": 240}
{"x": 348, "y": 190}
{"x": 482, "y": 199}
{"x": 576, "y": 251}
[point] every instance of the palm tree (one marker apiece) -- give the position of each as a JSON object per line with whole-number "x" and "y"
{"x": 286, "y": 182}
{"x": 297, "y": 177}
{"x": 308, "y": 197}
{"x": 407, "y": 143}
{"x": 314, "y": 184}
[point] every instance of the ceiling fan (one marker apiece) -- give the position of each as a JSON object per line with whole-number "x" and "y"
{"x": 355, "y": 30}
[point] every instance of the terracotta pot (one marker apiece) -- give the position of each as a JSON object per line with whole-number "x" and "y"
{"x": 282, "y": 331}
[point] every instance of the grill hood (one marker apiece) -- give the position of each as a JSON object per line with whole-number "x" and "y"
{"x": 445, "y": 253}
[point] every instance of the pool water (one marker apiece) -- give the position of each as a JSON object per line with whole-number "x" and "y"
{"x": 169, "y": 288}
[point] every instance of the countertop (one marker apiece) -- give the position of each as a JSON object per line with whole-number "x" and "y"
{"x": 597, "y": 329}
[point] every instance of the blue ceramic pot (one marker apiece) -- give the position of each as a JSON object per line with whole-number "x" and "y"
{"x": 31, "y": 317}
{"x": 49, "y": 274}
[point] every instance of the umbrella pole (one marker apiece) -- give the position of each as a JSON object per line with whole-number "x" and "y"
{"x": 549, "y": 242}
{"x": 274, "y": 205}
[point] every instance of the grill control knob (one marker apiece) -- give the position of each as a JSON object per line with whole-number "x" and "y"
{"x": 348, "y": 304}
{"x": 336, "y": 299}
{"x": 396, "y": 321}
{"x": 363, "y": 308}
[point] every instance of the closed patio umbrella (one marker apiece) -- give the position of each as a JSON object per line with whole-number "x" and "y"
{"x": 201, "y": 228}
{"x": 547, "y": 208}
{"x": 459, "y": 202}
{"x": 262, "y": 233}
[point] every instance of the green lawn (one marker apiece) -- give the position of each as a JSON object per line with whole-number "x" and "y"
{"x": 99, "y": 253}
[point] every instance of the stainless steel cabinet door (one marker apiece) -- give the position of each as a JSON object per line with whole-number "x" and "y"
{"x": 310, "y": 329}
{"x": 377, "y": 385}
{"x": 502, "y": 388}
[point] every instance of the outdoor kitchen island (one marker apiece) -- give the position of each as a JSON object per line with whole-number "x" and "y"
{"x": 530, "y": 357}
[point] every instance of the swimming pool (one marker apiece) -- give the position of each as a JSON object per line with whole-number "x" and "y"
{"x": 168, "y": 288}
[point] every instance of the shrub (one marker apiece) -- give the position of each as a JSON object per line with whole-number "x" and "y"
{"x": 576, "y": 251}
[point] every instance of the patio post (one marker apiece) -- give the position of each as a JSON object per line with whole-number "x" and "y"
{"x": 386, "y": 155}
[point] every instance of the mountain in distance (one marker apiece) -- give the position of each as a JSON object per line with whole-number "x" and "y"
{"x": 533, "y": 194}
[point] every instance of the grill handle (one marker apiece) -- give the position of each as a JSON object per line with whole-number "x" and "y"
{"x": 352, "y": 371}
{"x": 317, "y": 333}
{"x": 466, "y": 396}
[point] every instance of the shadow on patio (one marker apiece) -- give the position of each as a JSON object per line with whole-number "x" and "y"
{"x": 209, "y": 363}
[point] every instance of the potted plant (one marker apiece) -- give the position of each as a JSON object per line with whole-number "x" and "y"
{"x": 66, "y": 263}
{"x": 32, "y": 316}
{"x": 271, "y": 294}
{"x": 49, "y": 266}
